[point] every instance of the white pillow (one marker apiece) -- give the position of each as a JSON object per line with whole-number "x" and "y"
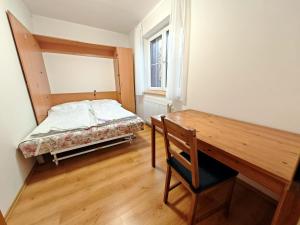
{"x": 71, "y": 106}
{"x": 102, "y": 102}
{"x": 109, "y": 110}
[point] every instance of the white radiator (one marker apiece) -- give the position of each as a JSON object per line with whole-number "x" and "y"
{"x": 154, "y": 105}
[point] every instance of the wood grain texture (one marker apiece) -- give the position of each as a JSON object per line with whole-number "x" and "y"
{"x": 72, "y": 97}
{"x": 33, "y": 67}
{"x": 268, "y": 156}
{"x": 126, "y": 76}
{"x": 155, "y": 92}
{"x": 2, "y": 220}
{"x": 64, "y": 46}
{"x": 117, "y": 77}
{"x": 185, "y": 140}
{"x": 118, "y": 186}
{"x": 292, "y": 203}
{"x": 253, "y": 144}
{"x": 30, "y": 48}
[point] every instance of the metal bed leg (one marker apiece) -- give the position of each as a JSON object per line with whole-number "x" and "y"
{"x": 130, "y": 139}
{"x": 55, "y": 160}
{"x": 40, "y": 159}
{"x": 125, "y": 139}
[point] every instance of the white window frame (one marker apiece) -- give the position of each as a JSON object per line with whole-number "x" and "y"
{"x": 163, "y": 33}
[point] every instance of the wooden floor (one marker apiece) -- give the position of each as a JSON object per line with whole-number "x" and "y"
{"x": 119, "y": 186}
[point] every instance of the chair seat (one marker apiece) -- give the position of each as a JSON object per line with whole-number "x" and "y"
{"x": 211, "y": 171}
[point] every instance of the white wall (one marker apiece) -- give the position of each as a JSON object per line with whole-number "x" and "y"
{"x": 16, "y": 115}
{"x": 245, "y": 61}
{"x": 73, "y": 31}
{"x": 69, "y": 73}
{"x": 157, "y": 15}
{"x": 72, "y": 73}
{"x": 152, "y": 22}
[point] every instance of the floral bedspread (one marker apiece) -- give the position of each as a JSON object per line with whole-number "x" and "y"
{"x": 41, "y": 145}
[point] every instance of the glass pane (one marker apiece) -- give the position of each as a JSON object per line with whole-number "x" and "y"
{"x": 156, "y": 60}
{"x": 153, "y": 51}
{"x": 167, "y": 56}
{"x": 153, "y": 75}
{"x": 159, "y": 50}
{"x": 159, "y": 73}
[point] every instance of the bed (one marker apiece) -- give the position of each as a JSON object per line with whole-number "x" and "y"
{"x": 85, "y": 125}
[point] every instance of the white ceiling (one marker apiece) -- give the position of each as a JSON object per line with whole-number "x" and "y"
{"x": 115, "y": 15}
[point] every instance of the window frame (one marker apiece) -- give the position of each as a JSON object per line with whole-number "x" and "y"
{"x": 163, "y": 34}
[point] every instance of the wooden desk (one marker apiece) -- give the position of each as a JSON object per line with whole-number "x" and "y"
{"x": 268, "y": 156}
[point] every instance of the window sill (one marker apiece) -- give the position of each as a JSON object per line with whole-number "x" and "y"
{"x": 155, "y": 92}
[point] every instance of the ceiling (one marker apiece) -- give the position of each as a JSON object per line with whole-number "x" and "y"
{"x": 115, "y": 15}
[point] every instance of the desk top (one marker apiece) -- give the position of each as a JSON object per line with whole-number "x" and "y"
{"x": 275, "y": 151}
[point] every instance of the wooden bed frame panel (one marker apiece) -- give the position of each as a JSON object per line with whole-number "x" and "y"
{"x": 30, "y": 48}
{"x": 64, "y": 46}
{"x": 71, "y": 97}
{"x": 34, "y": 71}
{"x": 125, "y": 77}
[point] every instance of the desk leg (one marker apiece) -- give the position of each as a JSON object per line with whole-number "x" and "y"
{"x": 153, "y": 145}
{"x": 279, "y": 208}
{"x": 288, "y": 208}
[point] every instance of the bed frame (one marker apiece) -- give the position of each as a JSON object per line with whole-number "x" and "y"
{"x": 30, "y": 48}
{"x": 127, "y": 138}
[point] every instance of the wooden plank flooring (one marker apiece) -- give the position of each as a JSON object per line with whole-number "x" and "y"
{"x": 119, "y": 186}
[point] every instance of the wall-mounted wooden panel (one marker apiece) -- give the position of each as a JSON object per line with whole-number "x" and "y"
{"x": 72, "y": 97}
{"x": 117, "y": 77}
{"x": 59, "y": 45}
{"x": 33, "y": 67}
{"x": 30, "y": 48}
{"x": 126, "y": 77}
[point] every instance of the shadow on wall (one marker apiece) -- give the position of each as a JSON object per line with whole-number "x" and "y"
{"x": 23, "y": 163}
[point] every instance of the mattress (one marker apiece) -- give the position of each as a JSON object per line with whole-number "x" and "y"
{"x": 76, "y": 124}
{"x": 70, "y": 139}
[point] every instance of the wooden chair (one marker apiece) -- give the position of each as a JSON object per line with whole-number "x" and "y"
{"x": 195, "y": 170}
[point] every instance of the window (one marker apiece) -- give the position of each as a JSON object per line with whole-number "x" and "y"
{"x": 158, "y": 60}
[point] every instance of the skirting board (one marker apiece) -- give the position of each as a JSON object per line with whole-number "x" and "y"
{"x": 2, "y": 220}
{"x": 13, "y": 205}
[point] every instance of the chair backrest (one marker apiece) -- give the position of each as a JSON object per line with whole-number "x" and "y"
{"x": 185, "y": 140}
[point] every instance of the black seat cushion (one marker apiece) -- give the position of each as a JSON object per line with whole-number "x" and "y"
{"x": 211, "y": 171}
